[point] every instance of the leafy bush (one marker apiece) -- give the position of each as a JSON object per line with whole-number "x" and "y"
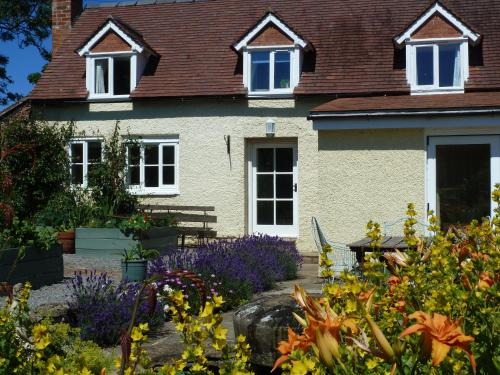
{"x": 36, "y": 168}
{"x": 430, "y": 310}
{"x": 102, "y": 310}
{"x": 236, "y": 269}
{"x": 108, "y": 179}
{"x": 31, "y": 348}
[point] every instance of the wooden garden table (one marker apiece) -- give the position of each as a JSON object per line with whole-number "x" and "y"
{"x": 389, "y": 244}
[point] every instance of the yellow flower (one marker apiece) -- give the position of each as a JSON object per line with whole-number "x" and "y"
{"x": 144, "y": 327}
{"x": 40, "y": 336}
{"x": 218, "y": 301}
{"x": 220, "y": 333}
{"x": 85, "y": 371}
{"x": 136, "y": 334}
{"x": 197, "y": 367}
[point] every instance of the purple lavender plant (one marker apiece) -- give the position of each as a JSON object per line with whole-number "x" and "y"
{"x": 102, "y": 309}
{"x": 236, "y": 268}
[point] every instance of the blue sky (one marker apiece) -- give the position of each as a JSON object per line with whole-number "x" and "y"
{"x": 25, "y": 61}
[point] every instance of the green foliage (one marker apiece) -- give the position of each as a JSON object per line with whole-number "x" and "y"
{"x": 108, "y": 179}
{"x": 39, "y": 170}
{"x": 28, "y": 22}
{"x": 432, "y": 309}
{"x": 31, "y": 348}
{"x": 138, "y": 252}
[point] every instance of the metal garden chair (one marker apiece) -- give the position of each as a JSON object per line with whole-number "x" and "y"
{"x": 342, "y": 257}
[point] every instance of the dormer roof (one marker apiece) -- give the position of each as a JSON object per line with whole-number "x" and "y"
{"x": 439, "y": 13}
{"x": 270, "y": 20}
{"x": 114, "y": 26}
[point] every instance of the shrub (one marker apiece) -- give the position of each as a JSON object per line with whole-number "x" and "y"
{"x": 236, "y": 269}
{"x": 28, "y": 347}
{"x": 430, "y": 310}
{"x": 37, "y": 164}
{"x": 101, "y": 309}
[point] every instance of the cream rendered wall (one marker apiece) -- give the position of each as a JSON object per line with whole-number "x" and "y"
{"x": 208, "y": 175}
{"x": 369, "y": 175}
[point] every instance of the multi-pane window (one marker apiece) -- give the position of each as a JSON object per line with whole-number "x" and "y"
{"x": 153, "y": 166}
{"x": 438, "y": 67}
{"x": 84, "y": 156}
{"x": 270, "y": 72}
{"x": 111, "y": 76}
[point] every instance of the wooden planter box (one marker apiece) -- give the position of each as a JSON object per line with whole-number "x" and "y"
{"x": 39, "y": 267}
{"x": 111, "y": 242}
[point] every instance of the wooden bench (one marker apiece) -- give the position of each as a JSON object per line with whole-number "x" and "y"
{"x": 190, "y": 215}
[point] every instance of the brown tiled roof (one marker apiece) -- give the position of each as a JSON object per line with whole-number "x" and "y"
{"x": 352, "y": 40}
{"x": 409, "y": 104}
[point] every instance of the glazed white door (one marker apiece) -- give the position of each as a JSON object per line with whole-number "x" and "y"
{"x": 461, "y": 174}
{"x": 273, "y": 188}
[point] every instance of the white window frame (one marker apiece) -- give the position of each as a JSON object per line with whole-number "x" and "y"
{"x": 91, "y": 59}
{"x": 85, "y": 158}
{"x": 141, "y": 189}
{"x": 411, "y": 65}
{"x": 295, "y": 64}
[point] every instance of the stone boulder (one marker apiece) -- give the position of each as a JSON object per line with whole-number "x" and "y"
{"x": 265, "y": 323}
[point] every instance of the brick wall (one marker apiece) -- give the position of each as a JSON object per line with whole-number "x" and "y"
{"x": 436, "y": 27}
{"x": 111, "y": 43}
{"x": 63, "y": 14}
{"x": 271, "y": 36}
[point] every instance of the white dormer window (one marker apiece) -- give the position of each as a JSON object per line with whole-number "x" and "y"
{"x": 111, "y": 76}
{"x": 438, "y": 66}
{"x": 437, "y": 52}
{"x": 271, "y": 64}
{"x": 115, "y": 62}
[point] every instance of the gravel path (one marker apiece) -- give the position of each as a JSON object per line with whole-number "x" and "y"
{"x": 59, "y": 293}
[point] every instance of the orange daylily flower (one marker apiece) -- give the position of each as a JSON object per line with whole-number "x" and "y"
{"x": 485, "y": 281}
{"x": 294, "y": 342}
{"x": 440, "y": 334}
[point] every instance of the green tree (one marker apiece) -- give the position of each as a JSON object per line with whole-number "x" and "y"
{"x": 28, "y": 22}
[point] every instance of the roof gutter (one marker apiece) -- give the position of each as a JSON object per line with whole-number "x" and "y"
{"x": 394, "y": 113}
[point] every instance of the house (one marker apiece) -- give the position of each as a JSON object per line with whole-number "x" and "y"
{"x": 275, "y": 111}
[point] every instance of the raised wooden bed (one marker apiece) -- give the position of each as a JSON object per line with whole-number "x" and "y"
{"x": 39, "y": 267}
{"x": 111, "y": 242}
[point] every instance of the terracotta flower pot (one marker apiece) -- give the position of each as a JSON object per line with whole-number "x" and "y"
{"x": 6, "y": 289}
{"x": 67, "y": 240}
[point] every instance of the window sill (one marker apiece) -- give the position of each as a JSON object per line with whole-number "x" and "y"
{"x": 154, "y": 192}
{"x": 270, "y": 95}
{"x": 115, "y": 98}
{"x": 438, "y": 91}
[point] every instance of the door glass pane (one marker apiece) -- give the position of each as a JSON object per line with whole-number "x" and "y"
{"x": 265, "y": 160}
{"x": 168, "y": 154}
{"x": 77, "y": 174}
{"x": 284, "y": 160}
{"x": 169, "y": 175}
{"x": 265, "y": 186}
{"x": 449, "y": 65}
{"x": 282, "y": 70}
{"x": 151, "y": 154}
{"x": 121, "y": 79}
{"x": 151, "y": 176}
{"x": 260, "y": 71}
{"x": 265, "y": 213}
{"x": 425, "y": 66}
{"x": 77, "y": 153}
{"x": 463, "y": 183}
{"x": 95, "y": 153}
{"x": 284, "y": 186}
{"x": 284, "y": 213}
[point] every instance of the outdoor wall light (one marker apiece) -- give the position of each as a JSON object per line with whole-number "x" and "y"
{"x": 270, "y": 128}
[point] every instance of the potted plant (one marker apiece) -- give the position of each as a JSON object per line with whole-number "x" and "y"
{"x": 135, "y": 262}
{"x": 67, "y": 239}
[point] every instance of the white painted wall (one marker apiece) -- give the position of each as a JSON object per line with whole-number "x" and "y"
{"x": 208, "y": 175}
